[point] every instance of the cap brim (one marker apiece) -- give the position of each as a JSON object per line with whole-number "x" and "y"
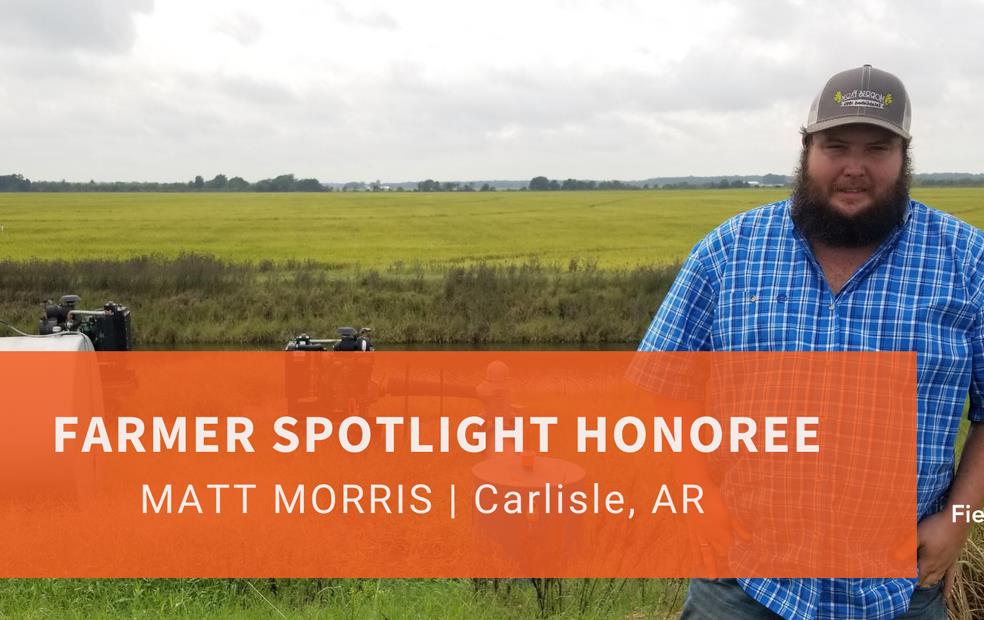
{"x": 857, "y": 120}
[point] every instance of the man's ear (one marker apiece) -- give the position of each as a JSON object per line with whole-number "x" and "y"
{"x": 806, "y": 139}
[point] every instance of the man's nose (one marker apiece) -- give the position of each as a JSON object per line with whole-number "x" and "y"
{"x": 854, "y": 165}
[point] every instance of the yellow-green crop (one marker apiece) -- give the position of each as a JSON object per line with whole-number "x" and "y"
{"x": 616, "y": 229}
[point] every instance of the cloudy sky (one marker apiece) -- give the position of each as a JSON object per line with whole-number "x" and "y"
{"x": 400, "y": 91}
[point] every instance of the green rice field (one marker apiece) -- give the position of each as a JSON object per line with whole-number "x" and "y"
{"x": 376, "y": 230}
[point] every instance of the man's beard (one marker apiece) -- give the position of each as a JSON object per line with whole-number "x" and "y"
{"x": 820, "y": 222}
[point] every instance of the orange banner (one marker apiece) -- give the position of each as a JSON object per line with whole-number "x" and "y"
{"x": 457, "y": 464}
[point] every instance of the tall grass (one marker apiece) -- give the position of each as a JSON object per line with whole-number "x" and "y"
{"x": 202, "y": 299}
{"x": 967, "y": 599}
{"x": 340, "y": 598}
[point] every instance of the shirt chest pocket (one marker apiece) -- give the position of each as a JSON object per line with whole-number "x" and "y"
{"x": 769, "y": 319}
{"x": 933, "y": 327}
{"x": 941, "y": 335}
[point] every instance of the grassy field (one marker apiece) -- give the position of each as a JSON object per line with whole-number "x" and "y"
{"x": 618, "y": 229}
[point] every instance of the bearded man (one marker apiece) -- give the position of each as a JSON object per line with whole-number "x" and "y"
{"x": 851, "y": 263}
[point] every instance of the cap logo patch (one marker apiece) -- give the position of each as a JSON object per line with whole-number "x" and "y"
{"x": 863, "y": 99}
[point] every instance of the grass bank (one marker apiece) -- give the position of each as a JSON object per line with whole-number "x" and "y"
{"x": 340, "y": 598}
{"x": 202, "y": 299}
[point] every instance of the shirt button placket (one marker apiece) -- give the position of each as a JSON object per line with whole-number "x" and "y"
{"x": 830, "y": 324}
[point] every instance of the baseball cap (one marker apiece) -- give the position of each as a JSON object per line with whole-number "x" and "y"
{"x": 863, "y": 95}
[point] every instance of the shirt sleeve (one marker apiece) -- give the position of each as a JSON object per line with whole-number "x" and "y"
{"x": 682, "y": 324}
{"x": 683, "y": 321}
{"x": 976, "y": 412}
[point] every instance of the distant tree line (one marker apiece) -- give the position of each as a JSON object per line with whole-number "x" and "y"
{"x": 289, "y": 183}
{"x": 543, "y": 184}
{"x": 973, "y": 180}
{"x": 14, "y": 183}
{"x": 430, "y": 185}
{"x": 221, "y": 183}
{"x": 722, "y": 184}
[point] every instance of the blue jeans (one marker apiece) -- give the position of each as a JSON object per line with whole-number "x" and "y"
{"x": 713, "y": 599}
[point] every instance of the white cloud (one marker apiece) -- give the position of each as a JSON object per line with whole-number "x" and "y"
{"x": 348, "y": 90}
{"x": 96, "y": 25}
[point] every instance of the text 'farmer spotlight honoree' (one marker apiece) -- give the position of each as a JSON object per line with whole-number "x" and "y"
{"x": 851, "y": 263}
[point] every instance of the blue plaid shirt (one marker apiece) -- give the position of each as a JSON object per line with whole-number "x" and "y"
{"x": 753, "y": 284}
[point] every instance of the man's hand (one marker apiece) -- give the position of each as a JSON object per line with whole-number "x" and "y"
{"x": 940, "y": 539}
{"x": 950, "y": 579}
{"x": 711, "y": 546}
{"x": 940, "y": 543}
